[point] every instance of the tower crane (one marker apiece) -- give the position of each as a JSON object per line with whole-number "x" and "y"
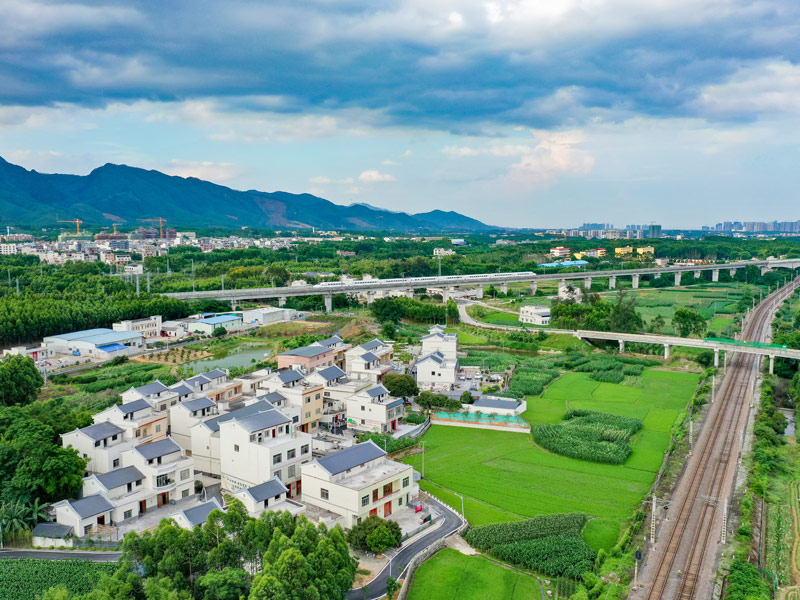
{"x": 77, "y": 224}
{"x": 160, "y": 222}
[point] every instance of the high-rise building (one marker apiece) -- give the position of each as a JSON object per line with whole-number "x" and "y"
{"x": 654, "y": 231}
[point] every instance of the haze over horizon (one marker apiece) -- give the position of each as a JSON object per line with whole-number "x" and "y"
{"x": 515, "y": 113}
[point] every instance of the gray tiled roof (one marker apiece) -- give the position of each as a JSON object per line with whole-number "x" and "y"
{"x": 290, "y": 375}
{"x": 378, "y": 390}
{"x": 372, "y": 344}
{"x": 331, "y": 373}
{"x": 182, "y": 389}
{"x": 132, "y": 407}
{"x": 119, "y": 477}
{"x": 268, "y": 489}
{"x": 348, "y": 458}
{"x": 199, "y": 514}
{"x": 91, "y": 506}
{"x": 101, "y": 431}
{"x": 263, "y": 420}
{"x": 398, "y": 402}
{"x": 198, "y": 403}
{"x": 369, "y": 357}
{"x": 159, "y": 448}
{"x": 51, "y": 529}
{"x": 198, "y": 380}
{"x": 496, "y": 403}
{"x": 151, "y": 388}
{"x": 331, "y": 341}
{"x": 240, "y": 413}
{"x": 434, "y": 356}
{"x": 214, "y": 374}
{"x": 306, "y": 351}
{"x": 273, "y": 397}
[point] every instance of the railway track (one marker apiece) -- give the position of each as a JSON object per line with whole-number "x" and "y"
{"x": 680, "y": 566}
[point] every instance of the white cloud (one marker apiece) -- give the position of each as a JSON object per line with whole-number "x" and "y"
{"x": 373, "y": 176}
{"x": 407, "y": 153}
{"x": 319, "y": 180}
{"x": 353, "y": 190}
{"x": 500, "y": 150}
{"x": 207, "y": 170}
{"x": 556, "y": 153}
{"x": 390, "y": 163}
{"x": 766, "y": 87}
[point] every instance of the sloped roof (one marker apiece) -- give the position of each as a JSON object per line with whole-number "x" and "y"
{"x": 159, "y": 448}
{"x": 263, "y": 420}
{"x": 378, "y": 390}
{"x": 182, "y": 389}
{"x": 369, "y": 357}
{"x": 101, "y": 431}
{"x": 239, "y": 413}
{"x": 214, "y": 374}
{"x": 348, "y": 458}
{"x": 290, "y": 375}
{"x": 331, "y": 373}
{"x": 91, "y": 505}
{"x": 132, "y": 407}
{"x": 199, "y": 514}
{"x": 331, "y": 341}
{"x": 437, "y": 357}
{"x": 306, "y": 351}
{"x": 273, "y": 397}
{"x": 119, "y": 477}
{"x": 372, "y": 344}
{"x": 198, "y": 403}
{"x": 268, "y": 489}
{"x": 51, "y": 529}
{"x": 198, "y": 380}
{"x": 496, "y": 403}
{"x": 152, "y": 388}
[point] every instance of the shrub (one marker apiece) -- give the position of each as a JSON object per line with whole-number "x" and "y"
{"x": 556, "y": 555}
{"x": 358, "y": 535}
{"x": 414, "y": 419}
{"x": 589, "y": 435}
{"x": 488, "y": 536}
{"x": 608, "y": 376}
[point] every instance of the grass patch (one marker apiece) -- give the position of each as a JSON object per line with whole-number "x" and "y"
{"x": 450, "y": 575}
{"x": 601, "y": 534}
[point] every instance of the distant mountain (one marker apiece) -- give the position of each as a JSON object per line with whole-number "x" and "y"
{"x": 122, "y": 194}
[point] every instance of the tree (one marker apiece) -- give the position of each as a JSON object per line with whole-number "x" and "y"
{"x": 381, "y": 539}
{"x": 388, "y": 330}
{"x": 687, "y": 322}
{"x": 400, "y": 385}
{"x": 657, "y": 324}
{"x": 358, "y": 536}
{"x": 20, "y": 380}
{"x": 219, "y": 332}
{"x": 391, "y": 587}
{"x": 228, "y": 584}
{"x": 466, "y": 397}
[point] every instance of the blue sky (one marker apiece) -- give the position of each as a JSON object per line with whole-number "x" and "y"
{"x": 529, "y": 114}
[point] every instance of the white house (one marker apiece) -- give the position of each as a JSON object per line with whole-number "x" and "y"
{"x": 101, "y": 444}
{"x": 208, "y": 325}
{"x": 357, "y": 482}
{"x": 374, "y": 410}
{"x": 197, "y": 515}
{"x": 168, "y": 471}
{"x": 535, "y": 315}
{"x": 434, "y": 371}
{"x": 141, "y": 422}
{"x": 85, "y": 515}
{"x": 268, "y": 496}
{"x": 149, "y": 327}
{"x": 438, "y": 341}
{"x": 268, "y": 314}
{"x": 187, "y": 414}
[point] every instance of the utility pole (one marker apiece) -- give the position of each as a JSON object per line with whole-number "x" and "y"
{"x": 223, "y": 281}
{"x": 691, "y": 435}
{"x": 724, "y": 519}
{"x": 653, "y": 521}
{"x": 137, "y": 284}
{"x": 17, "y": 286}
{"x": 440, "y": 265}
{"x": 148, "y": 282}
{"x": 423, "y": 459}
{"x": 713, "y": 384}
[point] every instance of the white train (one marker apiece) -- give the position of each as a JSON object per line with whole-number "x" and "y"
{"x": 415, "y": 282}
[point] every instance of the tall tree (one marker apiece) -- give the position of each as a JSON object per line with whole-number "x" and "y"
{"x": 20, "y": 380}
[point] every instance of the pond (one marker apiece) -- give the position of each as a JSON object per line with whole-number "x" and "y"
{"x": 790, "y": 424}
{"x": 241, "y": 356}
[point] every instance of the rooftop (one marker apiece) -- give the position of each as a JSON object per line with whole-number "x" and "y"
{"x": 306, "y": 351}
{"x": 378, "y": 390}
{"x": 496, "y": 403}
{"x": 290, "y": 375}
{"x": 369, "y": 357}
{"x": 220, "y": 319}
{"x": 90, "y": 505}
{"x": 351, "y": 457}
{"x": 151, "y": 388}
{"x": 268, "y": 489}
{"x": 372, "y": 344}
{"x": 255, "y": 408}
{"x": 331, "y": 341}
{"x": 199, "y": 514}
{"x": 331, "y": 373}
{"x": 263, "y": 420}
{"x": 51, "y": 529}
{"x": 132, "y": 407}
{"x": 101, "y": 431}
{"x": 159, "y": 448}
{"x": 198, "y": 404}
{"x": 119, "y": 477}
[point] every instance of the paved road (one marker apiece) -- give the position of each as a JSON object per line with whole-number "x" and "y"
{"x": 98, "y": 556}
{"x": 377, "y": 587}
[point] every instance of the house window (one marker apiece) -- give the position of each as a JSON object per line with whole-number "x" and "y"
{"x": 292, "y": 472}
{"x": 138, "y": 482}
{"x": 400, "y": 501}
{"x": 319, "y": 410}
{"x": 290, "y": 454}
{"x": 158, "y": 428}
{"x": 308, "y": 400}
{"x": 184, "y": 474}
{"x": 295, "y": 419}
{"x": 362, "y": 407}
{"x": 278, "y": 474}
{"x": 87, "y": 530}
{"x": 277, "y": 459}
{"x": 115, "y": 463}
{"x": 304, "y": 449}
{"x": 314, "y": 425}
{"x": 127, "y": 514}
{"x": 138, "y": 433}
{"x": 405, "y": 482}
{"x": 236, "y": 447}
{"x": 364, "y": 500}
{"x": 185, "y": 494}
{"x": 323, "y": 493}
{"x": 308, "y": 415}
{"x": 114, "y": 438}
{"x": 163, "y": 407}
{"x": 316, "y": 397}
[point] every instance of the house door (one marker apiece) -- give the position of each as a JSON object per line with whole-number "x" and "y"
{"x": 142, "y": 506}
{"x": 297, "y": 487}
{"x": 394, "y": 425}
{"x": 387, "y": 509}
{"x": 101, "y": 520}
{"x": 163, "y": 499}
{"x": 374, "y": 511}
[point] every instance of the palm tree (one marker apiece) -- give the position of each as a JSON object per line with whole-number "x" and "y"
{"x": 37, "y": 512}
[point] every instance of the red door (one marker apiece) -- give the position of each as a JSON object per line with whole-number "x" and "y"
{"x": 387, "y": 509}
{"x": 374, "y": 511}
{"x": 394, "y": 425}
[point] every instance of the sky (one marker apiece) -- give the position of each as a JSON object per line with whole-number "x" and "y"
{"x": 518, "y": 113}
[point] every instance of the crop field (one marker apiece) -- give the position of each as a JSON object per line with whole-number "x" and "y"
{"x": 505, "y": 476}
{"x": 450, "y": 575}
{"x": 28, "y": 578}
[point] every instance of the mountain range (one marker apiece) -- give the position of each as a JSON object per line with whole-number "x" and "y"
{"x": 122, "y": 194}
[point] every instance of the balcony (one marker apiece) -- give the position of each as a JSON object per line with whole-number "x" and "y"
{"x": 164, "y": 484}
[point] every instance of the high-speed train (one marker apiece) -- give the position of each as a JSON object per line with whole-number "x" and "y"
{"x": 422, "y": 281}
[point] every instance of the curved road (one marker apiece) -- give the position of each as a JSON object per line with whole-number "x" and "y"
{"x": 399, "y": 561}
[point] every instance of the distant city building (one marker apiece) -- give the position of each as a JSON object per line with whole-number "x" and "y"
{"x": 560, "y": 252}
{"x": 654, "y": 231}
{"x": 443, "y": 252}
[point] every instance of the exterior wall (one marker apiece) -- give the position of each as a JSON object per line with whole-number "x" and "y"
{"x": 147, "y": 327}
{"x": 447, "y": 346}
{"x": 325, "y": 359}
{"x": 309, "y": 401}
{"x": 364, "y": 415}
{"x": 205, "y": 450}
{"x": 530, "y": 314}
{"x": 432, "y": 374}
{"x": 181, "y": 422}
{"x": 101, "y": 458}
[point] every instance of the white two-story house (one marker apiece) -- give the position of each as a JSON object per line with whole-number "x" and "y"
{"x": 374, "y": 410}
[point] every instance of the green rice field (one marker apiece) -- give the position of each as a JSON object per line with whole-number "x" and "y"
{"x": 505, "y": 476}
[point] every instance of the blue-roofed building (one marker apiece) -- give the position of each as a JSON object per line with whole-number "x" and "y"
{"x": 563, "y": 264}
{"x": 84, "y": 515}
{"x": 358, "y": 482}
{"x": 374, "y": 410}
{"x": 197, "y": 515}
{"x": 268, "y": 496}
{"x": 207, "y": 325}
{"x": 101, "y": 343}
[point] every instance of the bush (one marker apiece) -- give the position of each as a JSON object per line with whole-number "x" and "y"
{"x": 414, "y": 419}
{"x": 488, "y": 536}
{"x": 557, "y": 555}
{"x": 608, "y": 376}
{"x": 589, "y": 435}
{"x": 381, "y": 539}
{"x": 428, "y": 399}
{"x": 387, "y": 442}
{"x": 358, "y": 536}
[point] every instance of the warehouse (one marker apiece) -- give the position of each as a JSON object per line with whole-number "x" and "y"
{"x": 208, "y": 325}
{"x": 102, "y": 343}
{"x": 268, "y": 314}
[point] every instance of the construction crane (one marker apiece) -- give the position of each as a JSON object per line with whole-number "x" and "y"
{"x": 77, "y": 224}
{"x": 160, "y": 222}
